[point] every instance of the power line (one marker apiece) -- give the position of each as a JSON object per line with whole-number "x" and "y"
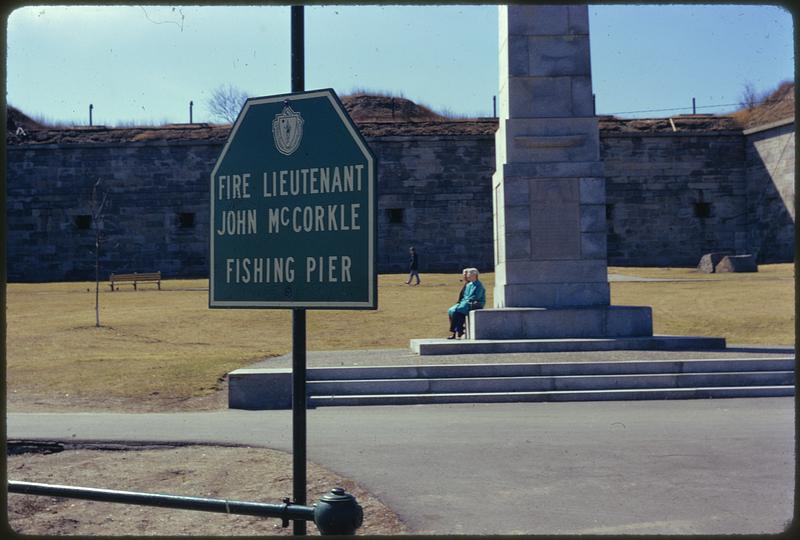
{"x": 677, "y": 108}
{"x": 758, "y": 104}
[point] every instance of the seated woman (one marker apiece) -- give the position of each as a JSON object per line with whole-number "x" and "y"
{"x": 474, "y": 298}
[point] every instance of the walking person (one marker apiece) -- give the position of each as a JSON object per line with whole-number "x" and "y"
{"x": 474, "y": 298}
{"x": 413, "y": 266}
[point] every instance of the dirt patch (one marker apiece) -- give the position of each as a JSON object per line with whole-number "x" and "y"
{"x": 17, "y": 402}
{"x": 235, "y": 473}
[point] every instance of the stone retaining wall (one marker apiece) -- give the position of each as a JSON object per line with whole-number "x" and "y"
{"x": 770, "y": 192}
{"x": 671, "y": 197}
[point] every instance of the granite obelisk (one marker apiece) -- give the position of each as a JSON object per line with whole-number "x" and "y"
{"x": 549, "y": 190}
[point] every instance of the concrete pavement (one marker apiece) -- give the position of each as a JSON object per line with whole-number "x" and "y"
{"x": 658, "y": 467}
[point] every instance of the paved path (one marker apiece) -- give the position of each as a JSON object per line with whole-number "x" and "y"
{"x": 667, "y": 467}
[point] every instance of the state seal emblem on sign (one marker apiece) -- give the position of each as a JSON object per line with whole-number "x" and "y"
{"x": 287, "y": 130}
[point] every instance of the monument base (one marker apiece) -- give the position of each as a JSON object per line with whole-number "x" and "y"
{"x": 504, "y": 346}
{"x": 555, "y": 323}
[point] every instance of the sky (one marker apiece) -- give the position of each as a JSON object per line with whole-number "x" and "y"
{"x": 142, "y": 65}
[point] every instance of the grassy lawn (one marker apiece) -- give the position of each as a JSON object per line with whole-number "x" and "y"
{"x": 168, "y": 343}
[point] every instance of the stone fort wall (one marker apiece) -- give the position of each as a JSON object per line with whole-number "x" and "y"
{"x": 671, "y": 197}
{"x": 770, "y": 172}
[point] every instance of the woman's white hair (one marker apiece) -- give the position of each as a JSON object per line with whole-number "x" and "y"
{"x": 471, "y": 271}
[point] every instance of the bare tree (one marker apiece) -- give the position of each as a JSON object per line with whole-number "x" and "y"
{"x": 750, "y": 97}
{"x": 226, "y": 102}
{"x": 97, "y": 205}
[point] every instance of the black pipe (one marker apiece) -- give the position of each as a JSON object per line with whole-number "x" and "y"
{"x": 336, "y": 513}
{"x": 299, "y": 412}
{"x": 298, "y": 50}
{"x": 298, "y": 315}
{"x": 286, "y": 511}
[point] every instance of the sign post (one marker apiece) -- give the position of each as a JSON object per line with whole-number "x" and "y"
{"x": 293, "y": 223}
{"x": 299, "y": 476}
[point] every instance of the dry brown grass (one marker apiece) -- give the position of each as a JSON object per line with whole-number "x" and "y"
{"x": 168, "y": 344}
{"x": 752, "y": 308}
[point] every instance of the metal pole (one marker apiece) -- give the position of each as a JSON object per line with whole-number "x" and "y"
{"x": 191, "y": 104}
{"x": 284, "y": 511}
{"x": 694, "y": 109}
{"x": 299, "y": 413}
{"x": 298, "y": 315}
{"x": 90, "y": 113}
{"x": 494, "y": 106}
{"x": 336, "y": 513}
{"x": 298, "y": 50}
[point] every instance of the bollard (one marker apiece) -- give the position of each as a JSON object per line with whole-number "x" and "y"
{"x": 338, "y": 512}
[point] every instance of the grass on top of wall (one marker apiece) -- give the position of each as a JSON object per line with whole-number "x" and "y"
{"x": 169, "y": 344}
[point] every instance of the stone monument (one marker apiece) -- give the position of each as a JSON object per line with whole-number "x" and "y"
{"x": 551, "y": 276}
{"x": 549, "y": 190}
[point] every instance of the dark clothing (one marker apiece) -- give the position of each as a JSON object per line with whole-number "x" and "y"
{"x": 457, "y": 322}
{"x": 413, "y": 272}
{"x": 413, "y": 263}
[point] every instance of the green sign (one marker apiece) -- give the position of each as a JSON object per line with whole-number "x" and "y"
{"x": 293, "y": 208}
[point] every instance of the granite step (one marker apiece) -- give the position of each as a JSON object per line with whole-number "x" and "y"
{"x": 262, "y": 388}
{"x": 547, "y": 383}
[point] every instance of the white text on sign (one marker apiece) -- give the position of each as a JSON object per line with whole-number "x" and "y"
{"x": 330, "y": 269}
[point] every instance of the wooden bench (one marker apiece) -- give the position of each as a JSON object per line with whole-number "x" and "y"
{"x": 135, "y": 278}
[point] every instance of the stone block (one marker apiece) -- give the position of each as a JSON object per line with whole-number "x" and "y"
{"x": 592, "y": 190}
{"x": 502, "y": 27}
{"x": 578, "y": 19}
{"x": 516, "y": 191}
{"x": 585, "y": 271}
{"x": 517, "y": 219}
{"x": 561, "y": 322}
{"x": 537, "y": 140}
{"x": 518, "y": 61}
{"x": 558, "y": 56}
{"x": 629, "y": 321}
{"x": 581, "y": 94}
{"x": 518, "y": 246}
{"x": 500, "y": 269}
{"x": 554, "y": 191}
{"x": 709, "y": 261}
{"x": 737, "y": 263}
{"x": 540, "y": 97}
{"x": 536, "y": 20}
{"x": 594, "y": 245}
{"x": 551, "y": 127}
{"x": 593, "y": 218}
{"x": 260, "y": 389}
{"x": 555, "y": 231}
{"x": 551, "y": 170}
{"x": 552, "y": 294}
